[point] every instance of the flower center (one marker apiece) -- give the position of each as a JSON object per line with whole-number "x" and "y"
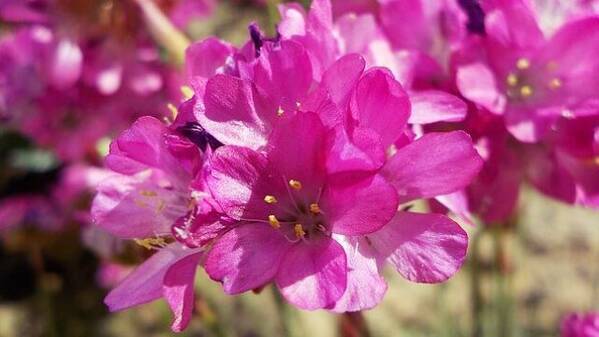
{"x": 525, "y": 80}
{"x": 298, "y": 217}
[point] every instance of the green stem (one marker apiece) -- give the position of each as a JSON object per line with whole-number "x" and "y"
{"x": 475, "y": 286}
{"x": 284, "y": 312}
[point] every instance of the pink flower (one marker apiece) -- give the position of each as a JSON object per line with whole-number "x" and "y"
{"x": 151, "y": 199}
{"x": 580, "y": 325}
{"x": 304, "y": 173}
{"x": 527, "y": 79}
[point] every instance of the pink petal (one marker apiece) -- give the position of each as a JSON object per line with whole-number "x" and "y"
{"x": 207, "y": 57}
{"x": 365, "y": 286}
{"x": 300, "y": 156}
{"x": 360, "y": 151}
{"x": 246, "y": 257}
{"x": 178, "y": 289}
{"x": 229, "y": 113}
{"x": 238, "y": 181}
{"x": 283, "y": 75}
{"x": 477, "y": 83}
{"x": 433, "y": 106}
{"x": 313, "y": 276}
{"x": 341, "y": 77}
{"x": 121, "y": 208}
{"x": 425, "y": 248}
{"x": 436, "y": 164}
{"x": 144, "y": 284}
{"x": 573, "y": 49}
{"x": 379, "y": 102}
{"x": 356, "y": 206}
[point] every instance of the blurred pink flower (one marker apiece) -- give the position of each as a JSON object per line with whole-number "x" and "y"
{"x": 580, "y": 325}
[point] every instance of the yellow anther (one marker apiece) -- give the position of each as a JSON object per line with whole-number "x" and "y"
{"x": 299, "y": 230}
{"x": 148, "y": 193}
{"x": 274, "y": 222}
{"x": 555, "y": 83}
{"x": 270, "y": 199}
{"x": 295, "y": 184}
{"x": 151, "y": 243}
{"x": 171, "y": 107}
{"x": 523, "y": 63}
{"x": 512, "y": 80}
{"x": 187, "y": 92}
{"x": 280, "y": 112}
{"x": 314, "y": 208}
{"x": 526, "y": 91}
{"x": 596, "y": 161}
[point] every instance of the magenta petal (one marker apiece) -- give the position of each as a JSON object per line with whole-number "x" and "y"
{"x": 246, "y": 257}
{"x": 426, "y": 248}
{"x": 283, "y": 75}
{"x": 313, "y": 276}
{"x": 234, "y": 180}
{"x": 341, "y": 77}
{"x": 359, "y": 206}
{"x": 477, "y": 83}
{"x": 178, "y": 289}
{"x": 379, "y": 102}
{"x": 297, "y": 148}
{"x": 365, "y": 286}
{"x": 229, "y": 113}
{"x": 205, "y": 58}
{"x": 144, "y": 284}
{"x": 121, "y": 209}
{"x": 433, "y": 106}
{"x": 436, "y": 164}
{"x": 362, "y": 151}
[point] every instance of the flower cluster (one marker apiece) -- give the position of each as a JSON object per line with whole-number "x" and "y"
{"x": 298, "y": 157}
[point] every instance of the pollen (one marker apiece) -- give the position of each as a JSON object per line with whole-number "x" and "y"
{"x": 187, "y": 92}
{"x": 280, "y": 112}
{"x": 295, "y": 184}
{"x": 171, "y": 107}
{"x": 314, "y": 208}
{"x": 148, "y": 193}
{"x": 270, "y": 199}
{"x": 526, "y": 91}
{"x": 299, "y": 230}
{"x": 555, "y": 83}
{"x": 512, "y": 80}
{"x": 274, "y": 222}
{"x": 151, "y": 243}
{"x": 523, "y": 63}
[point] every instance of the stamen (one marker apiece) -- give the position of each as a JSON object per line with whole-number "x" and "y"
{"x": 512, "y": 80}
{"x": 320, "y": 227}
{"x": 314, "y": 208}
{"x": 299, "y": 230}
{"x": 295, "y": 184}
{"x": 270, "y": 199}
{"x": 148, "y": 193}
{"x": 151, "y": 243}
{"x": 171, "y": 107}
{"x": 187, "y": 92}
{"x": 523, "y": 63}
{"x": 280, "y": 112}
{"x": 526, "y": 91}
{"x": 274, "y": 222}
{"x": 555, "y": 83}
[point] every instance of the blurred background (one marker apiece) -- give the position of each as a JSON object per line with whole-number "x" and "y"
{"x": 519, "y": 280}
